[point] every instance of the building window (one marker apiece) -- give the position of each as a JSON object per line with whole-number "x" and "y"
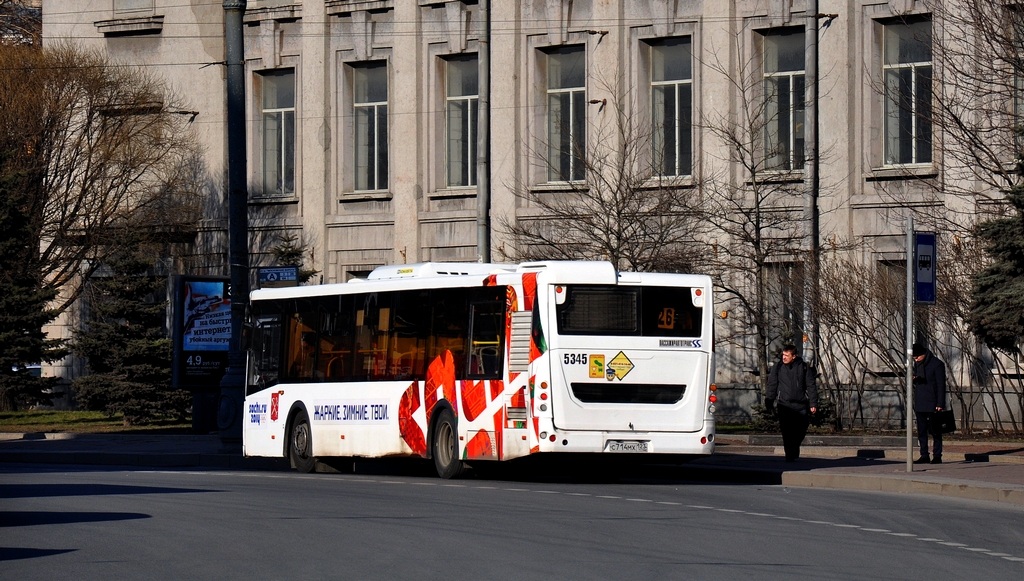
{"x": 672, "y": 106}
{"x": 127, "y": 6}
{"x": 907, "y": 73}
{"x": 278, "y": 106}
{"x": 566, "y": 93}
{"x": 461, "y": 105}
{"x": 785, "y": 301}
{"x": 784, "y": 100}
{"x": 370, "y": 108}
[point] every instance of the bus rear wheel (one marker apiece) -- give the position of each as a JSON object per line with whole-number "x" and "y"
{"x": 446, "y": 447}
{"x": 300, "y": 444}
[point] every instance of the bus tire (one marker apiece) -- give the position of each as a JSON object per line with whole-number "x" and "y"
{"x": 300, "y": 444}
{"x": 445, "y": 446}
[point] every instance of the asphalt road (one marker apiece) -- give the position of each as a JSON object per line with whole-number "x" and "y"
{"x": 60, "y": 521}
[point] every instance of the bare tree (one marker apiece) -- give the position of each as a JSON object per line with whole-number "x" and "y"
{"x": 855, "y": 307}
{"x": 103, "y": 155}
{"x": 757, "y": 213}
{"x": 979, "y": 56}
{"x": 622, "y": 211}
{"x": 977, "y": 106}
{"x": 21, "y": 22}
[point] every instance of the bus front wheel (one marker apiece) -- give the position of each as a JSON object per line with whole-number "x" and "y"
{"x": 300, "y": 444}
{"x": 446, "y": 447}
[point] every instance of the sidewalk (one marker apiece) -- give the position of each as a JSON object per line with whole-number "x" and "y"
{"x": 991, "y": 471}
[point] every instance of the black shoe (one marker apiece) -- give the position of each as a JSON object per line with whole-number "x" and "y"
{"x": 937, "y": 460}
{"x": 923, "y": 460}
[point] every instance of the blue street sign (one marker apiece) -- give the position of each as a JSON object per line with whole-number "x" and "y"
{"x": 278, "y": 276}
{"x": 924, "y": 267}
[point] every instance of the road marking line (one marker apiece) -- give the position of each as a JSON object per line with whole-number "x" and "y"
{"x": 359, "y": 480}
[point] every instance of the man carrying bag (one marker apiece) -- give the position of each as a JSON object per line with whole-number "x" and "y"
{"x": 929, "y": 399}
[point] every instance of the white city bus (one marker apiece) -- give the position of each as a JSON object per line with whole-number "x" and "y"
{"x": 464, "y": 362}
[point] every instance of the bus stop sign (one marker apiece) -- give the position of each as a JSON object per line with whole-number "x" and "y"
{"x": 924, "y": 267}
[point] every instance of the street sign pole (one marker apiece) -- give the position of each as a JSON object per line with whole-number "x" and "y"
{"x": 909, "y": 342}
{"x": 921, "y": 289}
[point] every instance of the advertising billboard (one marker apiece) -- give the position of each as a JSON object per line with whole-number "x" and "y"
{"x": 202, "y": 338}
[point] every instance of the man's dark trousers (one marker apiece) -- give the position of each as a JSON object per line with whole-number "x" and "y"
{"x": 793, "y": 424}
{"x": 924, "y": 424}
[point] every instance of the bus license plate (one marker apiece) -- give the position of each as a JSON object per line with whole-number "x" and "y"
{"x": 627, "y": 446}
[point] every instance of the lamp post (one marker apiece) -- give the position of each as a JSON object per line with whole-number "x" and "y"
{"x": 231, "y": 387}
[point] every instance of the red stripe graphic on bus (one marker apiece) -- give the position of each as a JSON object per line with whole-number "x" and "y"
{"x": 537, "y": 346}
{"x": 529, "y": 290}
{"x": 479, "y": 447}
{"x": 407, "y": 426}
{"x": 518, "y": 399}
{"x": 474, "y": 399}
{"x": 497, "y": 387}
{"x": 536, "y": 435}
{"x": 440, "y": 375}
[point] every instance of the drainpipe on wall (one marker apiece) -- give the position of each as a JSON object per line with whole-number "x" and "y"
{"x": 812, "y": 119}
{"x": 483, "y": 147}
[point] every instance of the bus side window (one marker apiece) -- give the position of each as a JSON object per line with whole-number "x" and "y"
{"x": 449, "y": 327}
{"x": 373, "y": 326}
{"x": 487, "y": 322}
{"x": 264, "y": 353}
{"x": 409, "y": 334}
{"x": 336, "y": 341}
{"x": 303, "y": 345}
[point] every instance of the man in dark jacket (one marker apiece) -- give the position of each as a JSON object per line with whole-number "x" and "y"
{"x": 929, "y": 397}
{"x": 791, "y": 383}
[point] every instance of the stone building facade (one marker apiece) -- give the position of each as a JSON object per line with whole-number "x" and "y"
{"x": 362, "y": 115}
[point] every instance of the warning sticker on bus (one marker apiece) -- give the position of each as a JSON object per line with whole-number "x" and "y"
{"x": 618, "y": 367}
